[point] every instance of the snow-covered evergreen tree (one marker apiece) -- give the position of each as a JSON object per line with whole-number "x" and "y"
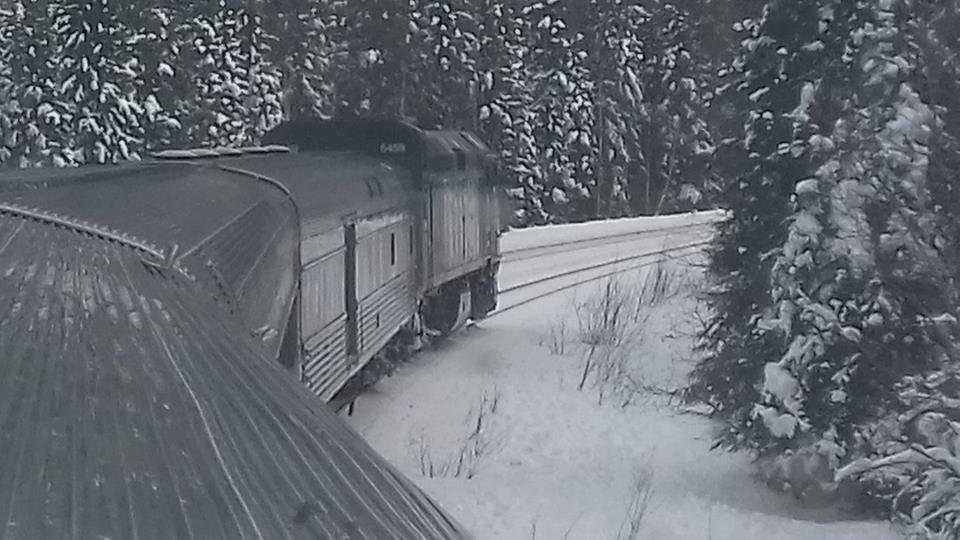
{"x": 563, "y": 108}
{"x": 913, "y": 450}
{"x": 304, "y": 48}
{"x": 238, "y": 91}
{"x": 376, "y": 63}
{"x": 835, "y": 216}
{"x": 166, "y": 86}
{"x": 505, "y": 118}
{"x": 786, "y": 56}
{"x": 936, "y": 32}
{"x": 263, "y": 101}
{"x": 615, "y": 52}
{"x": 40, "y": 130}
{"x": 917, "y": 456}
{"x": 447, "y": 46}
{"x": 674, "y": 138}
{"x": 7, "y": 88}
{"x": 98, "y": 79}
{"x": 864, "y": 320}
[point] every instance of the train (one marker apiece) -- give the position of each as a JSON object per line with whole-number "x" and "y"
{"x": 398, "y": 238}
{"x": 182, "y": 317}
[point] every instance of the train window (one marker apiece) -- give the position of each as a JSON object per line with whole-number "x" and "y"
{"x": 410, "y": 235}
{"x": 461, "y": 159}
{"x": 393, "y": 249}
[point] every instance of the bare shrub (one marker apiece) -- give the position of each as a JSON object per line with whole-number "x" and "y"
{"x": 637, "y": 507}
{"x": 466, "y": 459}
{"x": 668, "y": 395}
{"x": 610, "y": 327}
{"x": 555, "y": 339}
{"x": 661, "y": 283}
{"x": 605, "y": 326}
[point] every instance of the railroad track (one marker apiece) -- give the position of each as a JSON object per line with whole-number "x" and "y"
{"x": 532, "y": 252}
{"x": 681, "y": 250}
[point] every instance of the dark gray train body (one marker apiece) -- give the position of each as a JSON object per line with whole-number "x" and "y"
{"x": 157, "y": 311}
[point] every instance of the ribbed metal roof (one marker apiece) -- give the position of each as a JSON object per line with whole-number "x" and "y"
{"x": 133, "y": 406}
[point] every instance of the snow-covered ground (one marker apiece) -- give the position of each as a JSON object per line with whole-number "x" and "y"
{"x": 553, "y": 463}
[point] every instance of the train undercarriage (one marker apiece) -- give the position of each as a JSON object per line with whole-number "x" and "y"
{"x": 441, "y": 313}
{"x": 450, "y": 306}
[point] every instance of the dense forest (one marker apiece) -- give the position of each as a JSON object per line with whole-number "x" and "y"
{"x": 598, "y": 108}
{"x": 828, "y": 129}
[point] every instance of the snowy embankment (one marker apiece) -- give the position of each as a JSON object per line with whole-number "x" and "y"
{"x": 494, "y": 426}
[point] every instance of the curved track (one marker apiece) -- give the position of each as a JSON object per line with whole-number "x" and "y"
{"x": 553, "y": 268}
{"x": 531, "y": 252}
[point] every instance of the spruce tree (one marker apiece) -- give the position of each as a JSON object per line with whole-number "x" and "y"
{"x": 912, "y": 451}
{"x": 675, "y": 144}
{"x": 98, "y": 79}
{"x": 7, "y": 88}
{"x": 563, "y": 110}
{"x": 40, "y": 130}
{"x": 166, "y": 80}
{"x": 615, "y": 50}
{"x": 834, "y": 218}
{"x": 447, "y": 45}
{"x": 504, "y": 116}
{"x": 936, "y": 33}
{"x": 262, "y": 107}
{"x": 794, "y": 51}
{"x": 304, "y": 52}
{"x": 376, "y": 64}
{"x": 237, "y": 90}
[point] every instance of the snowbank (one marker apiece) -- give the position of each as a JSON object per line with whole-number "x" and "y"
{"x": 552, "y": 462}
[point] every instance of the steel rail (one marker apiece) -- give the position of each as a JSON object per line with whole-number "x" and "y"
{"x": 690, "y": 246}
{"x": 619, "y": 238}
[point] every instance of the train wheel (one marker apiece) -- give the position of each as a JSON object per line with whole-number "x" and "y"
{"x": 484, "y": 297}
{"x": 447, "y": 310}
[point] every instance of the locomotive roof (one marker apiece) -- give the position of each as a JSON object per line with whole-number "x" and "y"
{"x": 132, "y": 405}
{"x": 389, "y": 139}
